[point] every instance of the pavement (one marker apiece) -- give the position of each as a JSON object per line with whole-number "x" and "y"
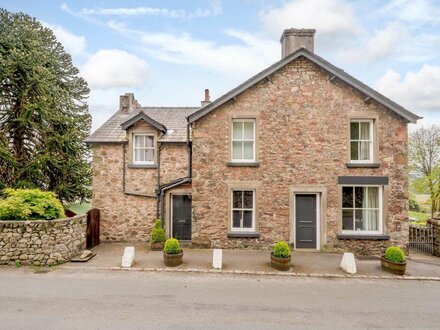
{"x": 304, "y": 263}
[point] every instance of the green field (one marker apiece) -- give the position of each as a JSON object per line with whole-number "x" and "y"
{"x": 79, "y": 208}
{"x": 422, "y": 217}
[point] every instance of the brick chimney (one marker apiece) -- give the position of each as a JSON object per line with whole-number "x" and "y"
{"x": 294, "y": 39}
{"x": 206, "y": 101}
{"x": 127, "y": 103}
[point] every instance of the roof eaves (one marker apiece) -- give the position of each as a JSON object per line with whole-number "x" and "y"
{"x": 87, "y": 141}
{"x": 411, "y": 117}
{"x": 143, "y": 116}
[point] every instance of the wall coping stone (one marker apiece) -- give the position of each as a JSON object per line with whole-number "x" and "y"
{"x": 27, "y": 222}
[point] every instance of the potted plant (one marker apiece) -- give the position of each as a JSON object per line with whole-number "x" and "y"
{"x": 157, "y": 236}
{"x": 394, "y": 260}
{"x": 172, "y": 253}
{"x": 280, "y": 257}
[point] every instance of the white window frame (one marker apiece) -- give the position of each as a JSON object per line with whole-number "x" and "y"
{"x": 143, "y": 148}
{"x": 243, "y": 120}
{"x": 240, "y": 229}
{"x": 362, "y": 232}
{"x": 371, "y": 140}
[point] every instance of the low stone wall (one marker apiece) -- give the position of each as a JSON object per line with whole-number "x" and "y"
{"x": 42, "y": 242}
{"x": 436, "y": 229}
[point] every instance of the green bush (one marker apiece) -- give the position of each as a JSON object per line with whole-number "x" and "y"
{"x": 30, "y": 204}
{"x": 413, "y": 205}
{"x": 395, "y": 254}
{"x": 281, "y": 250}
{"x": 172, "y": 246}
{"x": 158, "y": 233}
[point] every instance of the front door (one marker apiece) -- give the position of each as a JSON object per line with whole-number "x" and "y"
{"x": 181, "y": 217}
{"x": 305, "y": 221}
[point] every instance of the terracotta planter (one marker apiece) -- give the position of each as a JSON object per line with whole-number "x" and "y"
{"x": 172, "y": 260}
{"x": 393, "y": 267}
{"x": 282, "y": 264}
{"x": 157, "y": 246}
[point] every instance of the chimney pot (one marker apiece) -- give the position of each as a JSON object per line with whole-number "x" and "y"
{"x": 206, "y": 101}
{"x": 294, "y": 39}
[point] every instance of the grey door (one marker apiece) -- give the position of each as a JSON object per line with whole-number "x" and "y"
{"x": 305, "y": 221}
{"x": 182, "y": 217}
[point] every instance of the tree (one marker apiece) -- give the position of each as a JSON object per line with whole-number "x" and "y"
{"x": 44, "y": 118}
{"x": 424, "y": 161}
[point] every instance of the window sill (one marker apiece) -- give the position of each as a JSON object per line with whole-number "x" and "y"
{"x": 378, "y": 237}
{"x": 237, "y": 164}
{"x": 243, "y": 234}
{"x": 142, "y": 166}
{"x": 364, "y": 165}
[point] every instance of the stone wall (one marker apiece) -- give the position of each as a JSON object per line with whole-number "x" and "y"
{"x": 42, "y": 243}
{"x": 126, "y": 217}
{"x": 303, "y": 122}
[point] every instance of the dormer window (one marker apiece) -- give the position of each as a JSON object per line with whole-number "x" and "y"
{"x": 143, "y": 149}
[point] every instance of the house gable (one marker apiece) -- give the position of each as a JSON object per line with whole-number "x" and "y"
{"x": 335, "y": 72}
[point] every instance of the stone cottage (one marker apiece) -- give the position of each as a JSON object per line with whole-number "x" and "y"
{"x": 301, "y": 152}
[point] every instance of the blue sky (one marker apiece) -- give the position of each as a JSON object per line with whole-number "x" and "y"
{"x": 168, "y": 52}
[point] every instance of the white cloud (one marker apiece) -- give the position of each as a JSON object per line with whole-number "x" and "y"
{"x": 110, "y": 68}
{"x": 414, "y": 11}
{"x": 418, "y": 91}
{"x": 152, "y": 11}
{"x": 331, "y": 18}
{"x": 380, "y": 45}
{"x": 252, "y": 55}
{"x": 72, "y": 43}
{"x": 385, "y": 42}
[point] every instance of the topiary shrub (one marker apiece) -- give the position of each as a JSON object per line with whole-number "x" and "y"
{"x": 30, "y": 204}
{"x": 395, "y": 254}
{"x": 158, "y": 233}
{"x": 172, "y": 246}
{"x": 281, "y": 250}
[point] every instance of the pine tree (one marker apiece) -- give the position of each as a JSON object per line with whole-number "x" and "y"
{"x": 44, "y": 118}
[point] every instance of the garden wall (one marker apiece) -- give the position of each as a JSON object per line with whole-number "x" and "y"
{"x": 42, "y": 242}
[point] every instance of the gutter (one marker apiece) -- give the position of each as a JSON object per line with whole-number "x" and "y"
{"x": 159, "y": 145}
{"x": 189, "y": 144}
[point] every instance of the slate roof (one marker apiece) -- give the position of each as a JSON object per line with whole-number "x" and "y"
{"x": 173, "y": 118}
{"x": 333, "y": 70}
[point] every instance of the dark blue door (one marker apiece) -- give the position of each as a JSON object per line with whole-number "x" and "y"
{"x": 305, "y": 215}
{"x": 182, "y": 217}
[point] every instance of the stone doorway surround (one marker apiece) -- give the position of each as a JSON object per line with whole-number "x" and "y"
{"x": 321, "y": 192}
{"x": 168, "y": 213}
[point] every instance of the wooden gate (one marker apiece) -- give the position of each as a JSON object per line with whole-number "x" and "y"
{"x": 93, "y": 217}
{"x": 421, "y": 239}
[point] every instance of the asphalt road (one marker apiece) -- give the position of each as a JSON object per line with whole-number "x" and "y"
{"x": 66, "y": 299}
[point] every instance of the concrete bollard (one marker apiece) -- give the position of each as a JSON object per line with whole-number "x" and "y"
{"x": 217, "y": 256}
{"x": 128, "y": 257}
{"x": 348, "y": 263}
